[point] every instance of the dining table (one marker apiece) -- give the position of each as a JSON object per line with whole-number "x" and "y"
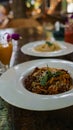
{"x": 17, "y": 118}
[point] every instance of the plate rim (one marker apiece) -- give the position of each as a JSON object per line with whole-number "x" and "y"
{"x": 38, "y": 60}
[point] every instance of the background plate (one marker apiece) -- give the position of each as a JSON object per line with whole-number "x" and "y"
{"x": 29, "y": 49}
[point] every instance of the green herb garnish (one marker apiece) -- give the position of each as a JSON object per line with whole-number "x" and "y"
{"x": 48, "y": 43}
{"x": 48, "y": 75}
{"x": 56, "y": 74}
{"x": 45, "y": 78}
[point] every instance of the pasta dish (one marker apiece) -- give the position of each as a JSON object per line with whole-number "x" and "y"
{"x": 47, "y": 47}
{"x": 48, "y": 81}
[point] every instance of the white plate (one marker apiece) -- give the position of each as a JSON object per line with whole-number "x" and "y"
{"x": 29, "y": 49}
{"x": 12, "y": 90}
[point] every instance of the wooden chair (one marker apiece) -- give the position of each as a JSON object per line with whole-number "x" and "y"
{"x": 22, "y": 22}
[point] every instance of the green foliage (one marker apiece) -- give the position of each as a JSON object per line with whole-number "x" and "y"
{"x": 48, "y": 43}
{"x": 48, "y": 75}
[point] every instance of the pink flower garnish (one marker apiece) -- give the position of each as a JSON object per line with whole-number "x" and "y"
{"x": 14, "y": 36}
{"x": 9, "y": 37}
{"x": 71, "y": 16}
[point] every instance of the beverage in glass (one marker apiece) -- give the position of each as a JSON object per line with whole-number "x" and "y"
{"x": 69, "y": 34}
{"x": 5, "y": 53}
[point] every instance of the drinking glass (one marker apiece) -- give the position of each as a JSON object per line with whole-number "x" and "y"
{"x": 48, "y": 30}
{"x": 6, "y": 48}
{"x": 5, "y": 56}
{"x": 5, "y": 52}
{"x": 68, "y": 37}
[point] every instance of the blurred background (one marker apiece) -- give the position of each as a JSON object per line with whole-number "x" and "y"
{"x": 36, "y": 9}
